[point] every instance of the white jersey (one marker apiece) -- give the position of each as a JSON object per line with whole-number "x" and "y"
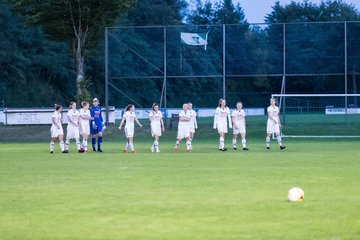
{"x": 73, "y": 130}
{"x": 155, "y": 117}
{"x": 73, "y": 116}
{"x": 193, "y": 122}
{"x": 221, "y": 116}
{"x": 185, "y": 115}
{"x": 55, "y": 131}
{"x": 85, "y": 121}
{"x": 183, "y": 127}
{"x": 273, "y": 111}
{"x": 130, "y": 118}
{"x": 239, "y": 116}
{"x": 239, "y": 121}
{"x": 271, "y": 126}
{"x": 56, "y": 117}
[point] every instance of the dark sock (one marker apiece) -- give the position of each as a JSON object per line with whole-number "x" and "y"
{"x": 99, "y": 142}
{"x": 93, "y": 141}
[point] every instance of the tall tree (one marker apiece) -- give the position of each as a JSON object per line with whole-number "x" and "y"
{"x": 313, "y": 48}
{"x": 80, "y": 23}
{"x": 30, "y": 61}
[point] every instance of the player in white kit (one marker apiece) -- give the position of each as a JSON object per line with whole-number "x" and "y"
{"x": 157, "y": 126}
{"x": 84, "y": 119}
{"x": 239, "y": 126}
{"x": 193, "y": 122}
{"x": 221, "y": 119}
{"x": 72, "y": 130}
{"x": 273, "y": 124}
{"x": 183, "y": 128}
{"x": 130, "y": 117}
{"x": 56, "y": 129}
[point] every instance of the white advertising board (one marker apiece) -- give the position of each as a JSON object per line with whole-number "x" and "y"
{"x": 201, "y": 112}
{"x": 25, "y": 116}
{"x": 336, "y": 111}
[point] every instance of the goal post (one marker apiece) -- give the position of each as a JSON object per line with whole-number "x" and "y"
{"x": 320, "y": 115}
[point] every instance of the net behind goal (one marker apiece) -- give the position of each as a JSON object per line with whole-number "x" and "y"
{"x": 320, "y": 115}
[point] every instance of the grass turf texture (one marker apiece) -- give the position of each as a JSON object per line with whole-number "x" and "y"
{"x": 205, "y": 194}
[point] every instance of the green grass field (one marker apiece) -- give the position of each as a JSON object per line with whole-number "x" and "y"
{"x": 205, "y": 194}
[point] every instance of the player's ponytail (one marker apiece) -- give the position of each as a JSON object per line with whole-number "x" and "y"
{"x": 71, "y": 103}
{"x": 84, "y": 103}
{"x": 154, "y": 105}
{"x": 275, "y": 100}
{"x": 128, "y": 107}
{"x": 221, "y": 99}
{"x": 57, "y": 107}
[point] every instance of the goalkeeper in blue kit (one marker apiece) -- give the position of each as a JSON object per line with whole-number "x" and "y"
{"x": 96, "y": 125}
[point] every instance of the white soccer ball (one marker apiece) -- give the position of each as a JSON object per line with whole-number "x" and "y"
{"x": 295, "y": 194}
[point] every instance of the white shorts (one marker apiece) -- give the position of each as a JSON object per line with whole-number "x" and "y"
{"x": 85, "y": 128}
{"x": 129, "y": 131}
{"x": 192, "y": 128}
{"x": 222, "y": 127}
{"x": 55, "y": 132}
{"x": 72, "y": 132}
{"x": 271, "y": 127}
{"x": 155, "y": 129}
{"x": 239, "y": 130}
{"x": 183, "y": 131}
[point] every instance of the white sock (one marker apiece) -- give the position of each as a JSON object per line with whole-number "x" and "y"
{"x": 126, "y": 146}
{"x": 177, "y": 143}
{"x": 234, "y": 142}
{"x": 222, "y": 143}
{"x": 243, "y": 141}
{"x": 62, "y": 145}
{"x": 85, "y": 144}
{"x": 52, "y": 146}
{"x": 267, "y": 141}
{"x": 156, "y": 144}
{"x": 77, "y": 143}
{"x": 131, "y": 145}
{"x": 188, "y": 144}
{"x": 67, "y": 142}
{"x": 278, "y": 138}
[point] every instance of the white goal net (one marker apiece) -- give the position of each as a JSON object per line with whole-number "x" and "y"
{"x": 320, "y": 115}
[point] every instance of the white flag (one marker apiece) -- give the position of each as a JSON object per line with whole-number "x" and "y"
{"x": 194, "y": 39}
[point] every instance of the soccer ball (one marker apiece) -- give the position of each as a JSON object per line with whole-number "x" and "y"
{"x": 295, "y": 194}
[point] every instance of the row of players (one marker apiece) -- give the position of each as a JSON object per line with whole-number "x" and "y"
{"x": 85, "y": 122}
{"x": 90, "y": 121}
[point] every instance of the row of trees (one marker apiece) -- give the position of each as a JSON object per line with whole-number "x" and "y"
{"x": 61, "y": 51}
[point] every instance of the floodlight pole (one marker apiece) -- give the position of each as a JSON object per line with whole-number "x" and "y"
{"x": 284, "y": 71}
{"x": 224, "y": 72}
{"x": 165, "y": 75}
{"x": 106, "y": 75}
{"x": 346, "y": 69}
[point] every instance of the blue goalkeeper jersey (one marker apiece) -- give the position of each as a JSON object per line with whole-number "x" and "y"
{"x": 96, "y": 115}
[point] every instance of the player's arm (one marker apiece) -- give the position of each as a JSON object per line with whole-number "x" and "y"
{"x": 229, "y": 118}
{"x": 55, "y": 123}
{"x": 122, "y": 122}
{"x": 162, "y": 124}
{"x": 278, "y": 120}
{"x": 137, "y": 121}
{"x": 216, "y": 119}
{"x": 72, "y": 122}
{"x": 195, "y": 122}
